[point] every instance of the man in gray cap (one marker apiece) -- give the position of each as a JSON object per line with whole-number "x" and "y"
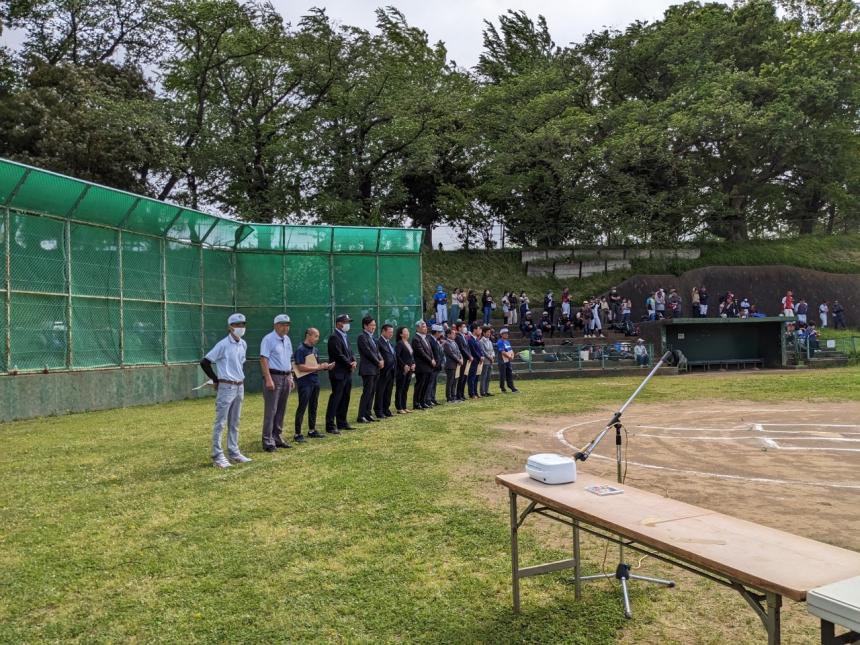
{"x": 339, "y": 353}
{"x": 228, "y": 378}
{"x": 276, "y": 354}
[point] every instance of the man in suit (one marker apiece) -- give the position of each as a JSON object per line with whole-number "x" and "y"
{"x": 453, "y": 361}
{"x": 463, "y": 345}
{"x": 435, "y": 340}
{"x": 477, "y": 358}
{"x": 339, "y": 353}
{"x": 424, "y": 364}
{"x": 385, "y": 382}
{"x": 369, "y": 366}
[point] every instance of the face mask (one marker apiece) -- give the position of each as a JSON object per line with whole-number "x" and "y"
{"x": 238, "y": 332}
{"x": 346, "y": 327}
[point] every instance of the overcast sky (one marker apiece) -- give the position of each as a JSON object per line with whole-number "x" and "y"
{"x": 459, "y": 23}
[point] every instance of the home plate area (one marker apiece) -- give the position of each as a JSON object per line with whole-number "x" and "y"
{"x": 794, "y": 466}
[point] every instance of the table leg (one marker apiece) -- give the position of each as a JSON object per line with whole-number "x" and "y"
{"x": 577, "y": 582}
{"x": 774, "y": 602}
{"x": 515, "y": 560}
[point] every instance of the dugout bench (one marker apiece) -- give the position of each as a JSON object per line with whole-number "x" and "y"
{"x": 760, "y": 563}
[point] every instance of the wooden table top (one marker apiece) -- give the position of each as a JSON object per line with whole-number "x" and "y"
{"x": 758, "y": 556}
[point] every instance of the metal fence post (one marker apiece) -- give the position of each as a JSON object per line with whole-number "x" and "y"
{"x": 67, "y": 243}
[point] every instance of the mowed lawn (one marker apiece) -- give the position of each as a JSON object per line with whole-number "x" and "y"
{"x": 114, "y": 527}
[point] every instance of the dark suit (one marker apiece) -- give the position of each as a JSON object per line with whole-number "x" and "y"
{"x": 477, "y": 354}
{"x": 463, "y": 346}
{"x": 439, "y": 357}
{"x": 423, "y": 369}
{"x": 341, "y": 355}
{"x": 368, "y": 367}
{"x": 385, "y": 383}
{"x": 404, "y": 360}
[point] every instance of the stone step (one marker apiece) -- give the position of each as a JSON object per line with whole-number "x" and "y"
{"x": 523, "y": 375}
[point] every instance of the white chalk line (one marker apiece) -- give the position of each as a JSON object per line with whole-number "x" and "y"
{"x": 755, "y": 438}
{"x": 763, "y": 480}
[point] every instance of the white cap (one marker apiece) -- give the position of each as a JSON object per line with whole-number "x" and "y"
{"x": 282, "y": 318}
{"x": 504, "y": 330}
{"x": 641, "y": 340}
{"x": 236, "y": 318}
{"x": 437, "y": 328}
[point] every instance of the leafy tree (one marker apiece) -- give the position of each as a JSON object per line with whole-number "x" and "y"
{"x": 100, "y": 123}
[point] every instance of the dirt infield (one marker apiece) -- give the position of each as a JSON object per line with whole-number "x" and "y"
{"x": 795, "y": 466}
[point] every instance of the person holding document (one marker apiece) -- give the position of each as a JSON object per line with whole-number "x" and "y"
{"x": 308, "y": 368}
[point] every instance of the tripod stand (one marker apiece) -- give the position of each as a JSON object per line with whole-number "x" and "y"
{"x": 622, "y": 571}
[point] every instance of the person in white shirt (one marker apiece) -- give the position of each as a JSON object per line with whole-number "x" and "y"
{"x": 823, "y": 310}
{"x": 640, "y": 352}
{"x": 228, "y": 378}
{"x": 276, "y": 355}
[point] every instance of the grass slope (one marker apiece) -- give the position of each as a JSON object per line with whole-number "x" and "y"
{"x": 502, "y": 271}
{"x": 114, "y": 528}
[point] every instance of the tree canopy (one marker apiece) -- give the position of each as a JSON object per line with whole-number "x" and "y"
{"x": 718, "y": 121}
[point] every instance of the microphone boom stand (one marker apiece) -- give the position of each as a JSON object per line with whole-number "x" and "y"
{"x": 622, "y": 571}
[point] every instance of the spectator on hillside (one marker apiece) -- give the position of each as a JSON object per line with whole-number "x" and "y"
{"x": 565, "y": 302}
{"x": 823, "y": 310}
{"x": 626, "y": 310}
{"x": 506, "y": 308}
{"x": 640, "y": 352}
{"x": 651, "y": 305}
{"x": 615, "y": 304}
{"x": 565, "y": 326}
{"x": 524, "y": 305}
{"x": 812, "y": 340}
{"x": 788, "y": 304}
{"x": 536, "y": 338}
{"x": 745, "y": 307}
{"x": 527, "y": 326}
{"x": 440, "y": 299}
{"x": 801, "y": 309}
{"x": 695, "y": 301}
{"x": 515, "y": 308}
{"x": 730, "y": 307}
{"x": 838, "y": 315}
{"x": 487, "y": 306}
{"x": 546, "y": 325}
{"x": 596, "y": 326}
{"x": 674, "y": 303}
{"x": 660, "y": 303}
{"x": 549, "y": 306}
{"x": 755, "y": 313}
{"x": 703, "y": 303}
{"x": 604, "y": 312}
{"x": 458, "y": 304}
{"x": 472, "y": 302}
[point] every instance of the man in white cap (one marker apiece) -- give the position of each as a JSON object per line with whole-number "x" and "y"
{"x": 228, "y": 378}
{"x": 641, "y": 353}
{"x": 276, "y": 354}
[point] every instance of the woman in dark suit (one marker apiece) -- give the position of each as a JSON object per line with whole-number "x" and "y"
{"x": 405, "y": 368}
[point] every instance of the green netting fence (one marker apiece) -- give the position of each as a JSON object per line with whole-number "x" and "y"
{"x": 95, "y": 277}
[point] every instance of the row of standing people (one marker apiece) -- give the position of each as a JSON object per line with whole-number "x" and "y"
{"x": 385, "y": 367}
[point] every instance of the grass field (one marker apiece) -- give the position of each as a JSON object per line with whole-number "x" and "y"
{"x": 115, "y": 528}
